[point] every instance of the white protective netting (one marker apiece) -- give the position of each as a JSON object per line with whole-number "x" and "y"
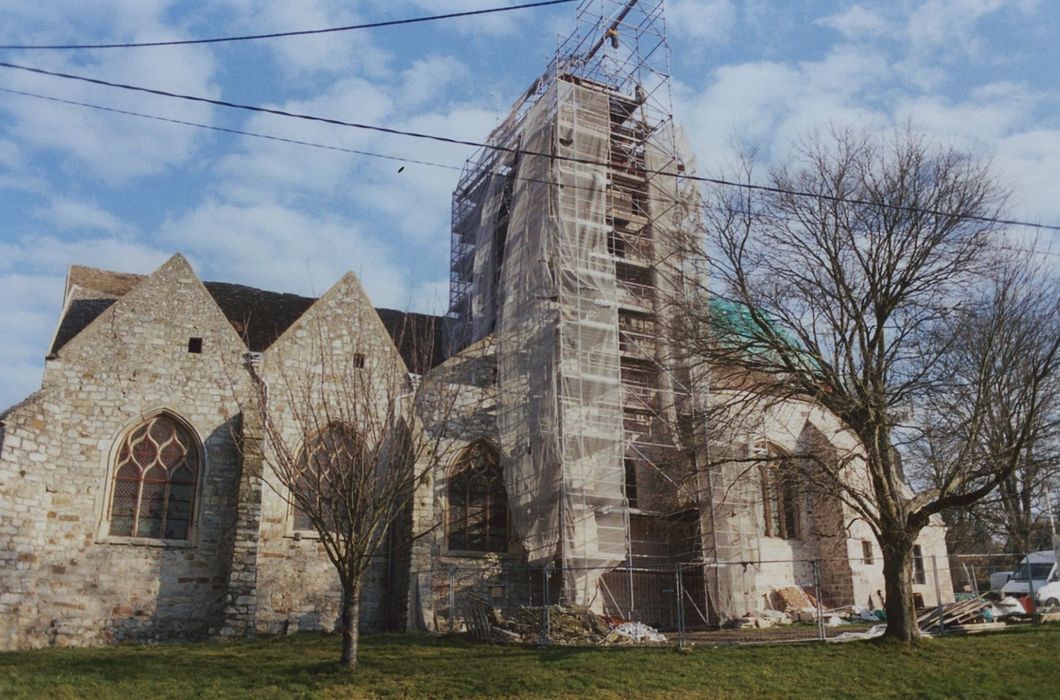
{"x": 591, "y": 417}
{"x": 560, "y": 412}
{"x": 546, "y": 250}
{"x": 527, "y": 417}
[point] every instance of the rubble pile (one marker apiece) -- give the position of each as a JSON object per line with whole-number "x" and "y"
{"x": 794, "y": 604}
{"x": 760, "y": 619}
{"x": 989, "y": 609}
{"x": 566, "y": 626}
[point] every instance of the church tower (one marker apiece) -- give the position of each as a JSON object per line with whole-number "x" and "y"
{"x": 572, "y": 231}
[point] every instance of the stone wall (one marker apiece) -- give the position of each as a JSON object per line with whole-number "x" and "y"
{"x": 336, "y": 363}
{"x": 457, "y": 404}
{"x": 64, "y": 579}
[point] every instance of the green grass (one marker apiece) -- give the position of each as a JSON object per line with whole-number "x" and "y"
{"x": 1018, "y": 664}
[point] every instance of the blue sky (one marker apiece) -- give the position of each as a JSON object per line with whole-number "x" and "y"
{"x": 84, "y": 187}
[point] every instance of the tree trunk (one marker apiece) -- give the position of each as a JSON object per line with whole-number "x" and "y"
{"x": 351, "y": 609}
{"x": 898, "y": 587}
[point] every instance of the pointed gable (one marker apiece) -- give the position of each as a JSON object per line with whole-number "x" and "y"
{"x": 343, "y": 317}
{"x": 159, "y": 313}
{"x": 258, "y": 316}
{"x": 89, "y": 292}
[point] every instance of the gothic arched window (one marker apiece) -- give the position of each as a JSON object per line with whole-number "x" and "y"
{"x": 478, "y": 503}
{"x": 780, "y": 494}
{"x": 155, "y": 478}
{"x": 328, "y": 465}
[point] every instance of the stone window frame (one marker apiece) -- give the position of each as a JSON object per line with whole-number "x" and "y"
{"x": 456, "y": 467}
{"x": 293, "y": 531}
{"x": 103, "y": 534}
{"x": 917, "y": 570}
{"x": 779, "y": 493}
{"x": 868, "y": 553}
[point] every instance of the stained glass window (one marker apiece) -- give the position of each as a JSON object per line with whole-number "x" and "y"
{"x": 155, "y": 478}
{"x": 478, "y": 503}
{"x": 328, "y": 464}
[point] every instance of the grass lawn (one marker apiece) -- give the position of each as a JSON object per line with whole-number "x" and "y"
{"x": 1023, "y": 663}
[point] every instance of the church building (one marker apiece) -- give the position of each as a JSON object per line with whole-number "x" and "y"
{"x": 131, "y": 506}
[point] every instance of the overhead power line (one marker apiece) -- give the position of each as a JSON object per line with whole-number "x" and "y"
{"x": 280, "y": 35}
{"x": 284, "y": 139}
{"x": 522, "y": 152}
{"x": 382, "y": 156}
{"x": 227, "y": 130}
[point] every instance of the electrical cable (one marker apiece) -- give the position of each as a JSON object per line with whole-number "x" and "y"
{"x": 227, "y": 130}
{"x": 384, "y": 156}
{"x": 278, "y": 35}
{"x": 517, "y": 151}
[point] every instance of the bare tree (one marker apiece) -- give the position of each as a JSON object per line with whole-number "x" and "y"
{"x": 998, "y": 406}
{"x": 846, "y": 278}
{"x": 341, "y": 446}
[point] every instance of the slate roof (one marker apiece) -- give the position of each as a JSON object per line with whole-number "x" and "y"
{"x": 258, "y": 316}
{"x": 79, "y": 313}
{"x": 106, "y": 283}
{"x": 418, "y": 337}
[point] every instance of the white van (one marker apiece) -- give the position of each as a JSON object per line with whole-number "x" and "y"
{"x": 1038, "y": 568}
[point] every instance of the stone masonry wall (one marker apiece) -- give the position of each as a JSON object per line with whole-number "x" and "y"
{"x": 63, "y": 579}
{"x": 340, "y": 350}
{"x": 458, "y": 406}
{"x": 240, "y": 610}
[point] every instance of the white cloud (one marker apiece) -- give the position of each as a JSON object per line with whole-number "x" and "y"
{"x": 497, "y": 24}
{"x": 269, "y": 170}
{"x": 114, "y": 147}
{"x": 1029, "y": 162}
{"x": 30, "y": 319}
{"x": 24, "y": 183}
{"x": 429, "y": 78}
{"x": 950, "y": 23}
{"x": 858, "y": 21}
{"x": 32, "y": 279}
{"x": 280, "y": 248}
{"x": 769, "y": 104}
{"x": 69, "y": 213}
{"x": 330, "y": 54}
{"x": 702, "y": 21}
{"x": 11, "y": 155}
{"x": 49, "y": 254}
{"x": 976, "y": 123}
{"x": 428, "y": 296}
{"x": 390, "y": 193}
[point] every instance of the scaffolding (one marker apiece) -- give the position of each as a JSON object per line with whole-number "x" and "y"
{"x": 565, "y": 239}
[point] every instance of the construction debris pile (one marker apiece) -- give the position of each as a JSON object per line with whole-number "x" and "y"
{"x": 984, "y": 612}
{"x": 794, "y": 604}
{"x": 566, "y": 625}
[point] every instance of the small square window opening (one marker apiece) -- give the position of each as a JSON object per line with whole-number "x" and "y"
{"x": 358, "y": 360}
{"x": 195, "y": 345}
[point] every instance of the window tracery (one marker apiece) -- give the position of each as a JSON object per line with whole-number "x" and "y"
{"x": 156, "y": 475}
{"x": 478, "y": 502}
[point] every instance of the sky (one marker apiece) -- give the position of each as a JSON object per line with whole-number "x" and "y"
{"x": 87, "y": 187}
